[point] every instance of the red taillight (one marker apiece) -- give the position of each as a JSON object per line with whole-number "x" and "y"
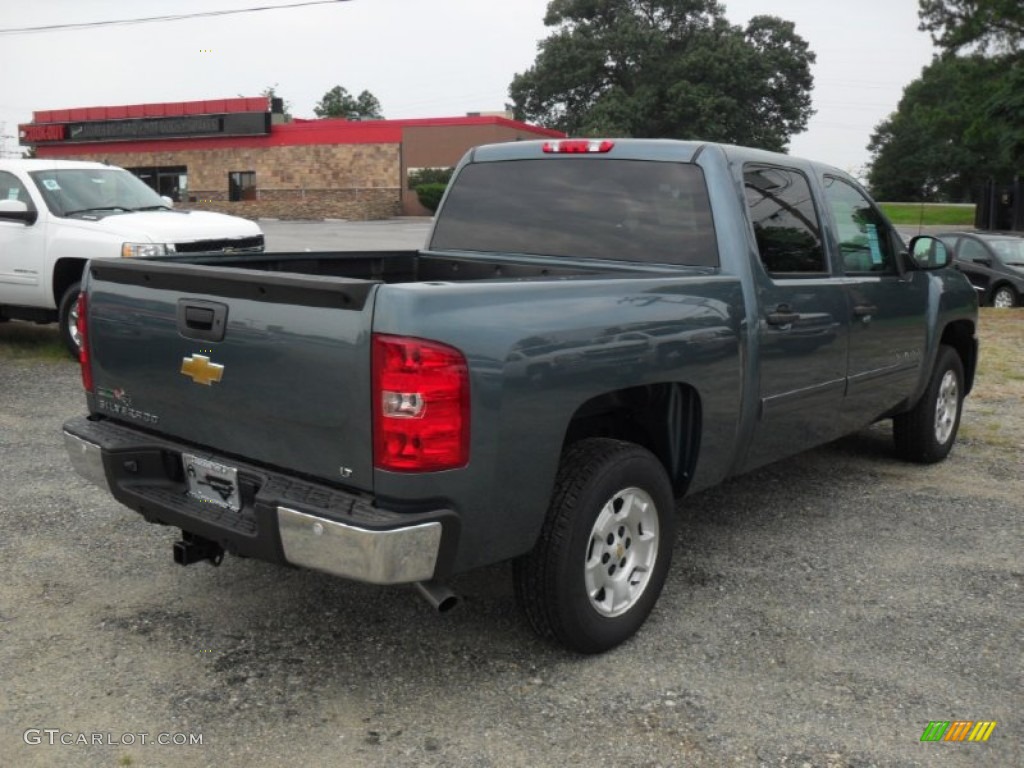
{"x": 83, "y": 338}
{"x": 577, "y": 146}
{"x": 420, "y": 405}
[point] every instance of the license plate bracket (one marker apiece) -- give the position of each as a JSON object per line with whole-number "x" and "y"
{"x": 211, "y": 482}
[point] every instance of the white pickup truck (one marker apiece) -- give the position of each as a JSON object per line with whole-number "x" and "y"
{"x": 55, "y": 215}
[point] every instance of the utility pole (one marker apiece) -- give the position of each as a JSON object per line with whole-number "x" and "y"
{"x": 4, "y": 151}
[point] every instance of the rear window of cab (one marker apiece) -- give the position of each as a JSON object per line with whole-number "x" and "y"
{"x": 581, "y": 207}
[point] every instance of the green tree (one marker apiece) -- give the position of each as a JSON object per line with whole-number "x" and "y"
{"x": 430, "y": 194}
{"x": 667, "y": 69}
{"x": 962, "y": 121}
{"x": 271, "y": 93}
{"x": 984, "y": 24}
{"x": 338, "y": 102}
{"x": 933, "y": 148}
{"x": 420, "y": 176}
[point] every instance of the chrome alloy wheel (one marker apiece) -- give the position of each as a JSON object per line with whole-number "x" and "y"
{"x": 946, "y": 406}
{"x": 622, "y": 551}
{"x": 76, "y": 337}
{"x": 1003, "y": 299}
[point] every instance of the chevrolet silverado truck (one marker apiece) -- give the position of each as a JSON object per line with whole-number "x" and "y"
{"x": 55, "y": 215}
{"x": 592, "y": 330}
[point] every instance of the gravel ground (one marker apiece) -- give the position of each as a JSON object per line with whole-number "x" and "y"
{"x": 819, "y": 612}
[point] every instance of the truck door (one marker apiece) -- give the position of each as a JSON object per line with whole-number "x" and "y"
{"x": 888, "y": 310}
{"x": 803, "y": 318}
{"x": 22, "y": 248}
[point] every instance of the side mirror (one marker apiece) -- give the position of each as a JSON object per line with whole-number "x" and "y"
{"x": 167, "y": 201}
{"x": 17, "y": 210}
{"x": 927, "y": 252}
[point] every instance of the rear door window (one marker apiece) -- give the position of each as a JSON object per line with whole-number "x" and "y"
{"x": 785, "y": 221}
{"x": 972, "y": 249}
{"x": 581, "y": 207}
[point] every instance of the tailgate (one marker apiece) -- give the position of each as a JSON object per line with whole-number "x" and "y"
{"x": 271, "y": 367}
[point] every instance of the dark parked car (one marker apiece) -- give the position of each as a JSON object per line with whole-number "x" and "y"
{"x": 993, "y": 262}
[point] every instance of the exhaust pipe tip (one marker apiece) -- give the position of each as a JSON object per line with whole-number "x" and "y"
{"x": 440, "y": 597}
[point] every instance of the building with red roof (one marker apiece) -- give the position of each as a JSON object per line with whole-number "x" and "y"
{"x": 238, "y": 156}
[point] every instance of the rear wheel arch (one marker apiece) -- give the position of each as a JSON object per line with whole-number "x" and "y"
{"x": 663, "y": 418}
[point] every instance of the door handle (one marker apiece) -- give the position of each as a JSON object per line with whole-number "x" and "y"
{"x": 782, "y": 315}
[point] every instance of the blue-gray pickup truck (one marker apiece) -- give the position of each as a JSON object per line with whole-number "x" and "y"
{"x": 593, "y": 329}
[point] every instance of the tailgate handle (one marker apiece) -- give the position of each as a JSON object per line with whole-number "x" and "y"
{"x": 202, "y": 320}
{"x": 198, "y": 318}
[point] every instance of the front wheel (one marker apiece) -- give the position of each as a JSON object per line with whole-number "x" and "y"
{"x": 926, "y": 433}
{"x": 1004, "y": 297}
{"x": 67, "y": 316}
{"x": 604, "y": 552}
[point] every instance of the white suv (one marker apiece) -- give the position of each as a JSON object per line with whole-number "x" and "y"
{"x": 55, "y": 215}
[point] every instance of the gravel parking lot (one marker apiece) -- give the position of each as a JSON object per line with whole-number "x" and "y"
{"x": 819, "y": 612}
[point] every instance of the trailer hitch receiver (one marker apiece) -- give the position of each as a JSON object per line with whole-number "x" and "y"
{"x": 192, "y": 549}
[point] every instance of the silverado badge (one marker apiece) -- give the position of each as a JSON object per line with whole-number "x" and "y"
{"x": 201, "y": 370}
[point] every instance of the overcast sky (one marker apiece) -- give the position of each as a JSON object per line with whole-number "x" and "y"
{"x": 421, "y": 58}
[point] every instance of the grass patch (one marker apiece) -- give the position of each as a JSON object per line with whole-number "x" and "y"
{"x": 24, "y": 341}
{"x": 929, "y": 214}
{"x": 994, "y": 415}
{"x": 1001, "y": 363}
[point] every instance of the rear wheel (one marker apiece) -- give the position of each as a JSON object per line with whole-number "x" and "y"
{"x": 1004, "y": 297}
{"x": 926, "y": 433}
{"x": 603, "y": 554}
{"x": 67, "y": 314}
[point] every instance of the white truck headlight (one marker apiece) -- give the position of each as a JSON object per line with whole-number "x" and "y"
{"x": 145, "y": 250}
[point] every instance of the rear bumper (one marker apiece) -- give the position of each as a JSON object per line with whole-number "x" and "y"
{"x": 282, "y": 519}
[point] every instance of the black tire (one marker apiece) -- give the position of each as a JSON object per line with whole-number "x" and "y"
{"x": 1004, "y": 296}
{"x": 65, "y": 316}
{"x": 926, "y": 433}
{"x": 598, "y": 479}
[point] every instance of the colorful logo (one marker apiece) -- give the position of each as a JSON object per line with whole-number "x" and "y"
{"x": 958, "y": 730}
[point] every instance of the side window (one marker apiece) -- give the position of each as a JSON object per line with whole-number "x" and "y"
{"x": 785, "y": 222}
{"x": 971, "y": 250}
{"x": 952, "y": 244}
{"x": 11, "y": 188}
{"x": 865, "y": 242}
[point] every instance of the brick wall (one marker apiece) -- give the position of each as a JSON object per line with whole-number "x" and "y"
{"x": 343, "y": 181}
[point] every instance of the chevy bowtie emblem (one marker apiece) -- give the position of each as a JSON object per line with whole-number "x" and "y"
{"x": 201, "y": 370}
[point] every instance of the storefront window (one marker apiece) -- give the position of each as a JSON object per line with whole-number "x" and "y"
{"x": 241, "y": 185}
{"x": 171, "y": 181}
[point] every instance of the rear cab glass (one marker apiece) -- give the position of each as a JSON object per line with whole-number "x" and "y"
{"x": 608, "y": 209}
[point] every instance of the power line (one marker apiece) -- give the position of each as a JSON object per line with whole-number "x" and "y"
{"x": 175, "y": 17}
